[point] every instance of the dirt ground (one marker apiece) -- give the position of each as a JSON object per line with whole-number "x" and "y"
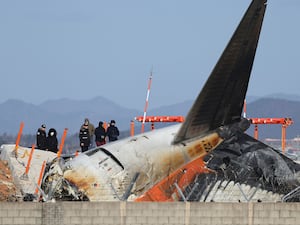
{"x": 8, "y": 189}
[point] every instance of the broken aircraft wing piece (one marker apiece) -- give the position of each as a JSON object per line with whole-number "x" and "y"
{"x": 221, "y": 100}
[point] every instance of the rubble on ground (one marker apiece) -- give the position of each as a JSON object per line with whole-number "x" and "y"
{"x": 8, "y": 189}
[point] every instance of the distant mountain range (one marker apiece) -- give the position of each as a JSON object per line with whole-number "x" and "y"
{"x": 68, "y": 113}
{"x": 62, "y": 113}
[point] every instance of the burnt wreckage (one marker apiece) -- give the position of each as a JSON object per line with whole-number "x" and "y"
{"x": 241, "y": 159}
{"x": 208, "y": 157}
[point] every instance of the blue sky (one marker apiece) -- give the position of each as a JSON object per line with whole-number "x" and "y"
{"x": 83, "y": 49}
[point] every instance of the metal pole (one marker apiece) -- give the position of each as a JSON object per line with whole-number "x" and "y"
{"x": 146, "y": 104}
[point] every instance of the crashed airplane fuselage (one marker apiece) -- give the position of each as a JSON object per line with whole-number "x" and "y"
{"x": 126, "y": 168}
{"x": 161, "y": 165}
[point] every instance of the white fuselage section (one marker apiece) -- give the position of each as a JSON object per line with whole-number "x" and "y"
{"x": 102, "y": 176}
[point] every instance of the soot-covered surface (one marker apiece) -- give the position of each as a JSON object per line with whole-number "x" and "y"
{"x": 245, "y": 160}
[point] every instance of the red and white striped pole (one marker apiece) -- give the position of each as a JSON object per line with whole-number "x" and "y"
{"x": 245, "y": 105}
{"x": 146, "y": 104}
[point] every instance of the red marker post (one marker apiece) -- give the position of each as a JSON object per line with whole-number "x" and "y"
{"x": 15, "y": 152}
{"x": 62, "y": 143}
{"x": 132, "y": 128}
{"x": 40, "y": 177}
{"x": 25, "y": 175}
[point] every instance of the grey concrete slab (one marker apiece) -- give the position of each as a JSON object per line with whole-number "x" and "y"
{"x": 18, "y": 163}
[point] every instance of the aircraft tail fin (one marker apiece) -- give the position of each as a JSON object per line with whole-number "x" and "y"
{"x": 221, "y": 100}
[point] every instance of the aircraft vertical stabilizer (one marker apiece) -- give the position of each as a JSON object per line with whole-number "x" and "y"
{"x": 221, "y": 100}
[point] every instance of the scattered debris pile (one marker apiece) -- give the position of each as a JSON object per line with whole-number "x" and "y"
{"x": 245, "y": 160}
{"x": 8, "y": 190}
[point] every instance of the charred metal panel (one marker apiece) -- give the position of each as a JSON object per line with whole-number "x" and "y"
{"x": 244, "y": 160}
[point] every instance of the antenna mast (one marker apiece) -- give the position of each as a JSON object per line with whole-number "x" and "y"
{"x": 146, "y": 104}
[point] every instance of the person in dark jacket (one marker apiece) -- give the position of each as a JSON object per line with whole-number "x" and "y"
{"x": 41, "y": 137}
{"x": 112, "y": 131}
{"x": 91, "y": 131}
{"x": 51, "y": 141}
{"x": 100, "y": 134}
{"x": 84, "y": 137}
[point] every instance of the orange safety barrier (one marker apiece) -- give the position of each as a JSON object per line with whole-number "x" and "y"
{"x": 40, "y": 177}
{"x": 19, "y": 138}
{"x": 62, "y": 143}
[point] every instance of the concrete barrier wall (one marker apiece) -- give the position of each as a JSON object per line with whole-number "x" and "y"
{"x": 130, "y": 213}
